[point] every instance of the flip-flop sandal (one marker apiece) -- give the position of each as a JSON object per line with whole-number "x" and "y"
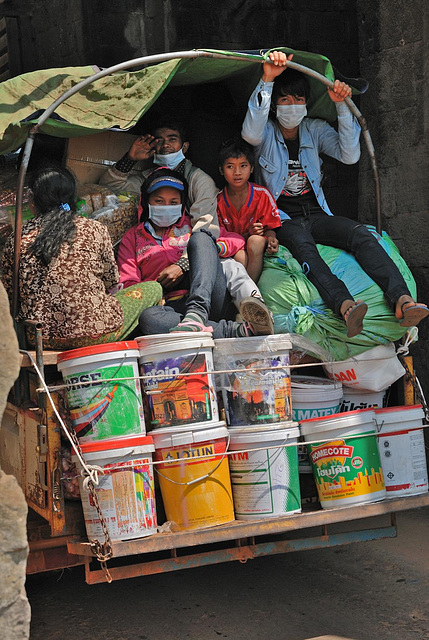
{"x": 412, "y": 313}
{"x": 353, "y": 317}
{"x": 256, "y": 313}
{"x": 189, "y": 326}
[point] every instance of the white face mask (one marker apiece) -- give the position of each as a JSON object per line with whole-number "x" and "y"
{"x": 170, "y": 160}
{"x": 163, "y": 215}
{"x": 291, "y": 115}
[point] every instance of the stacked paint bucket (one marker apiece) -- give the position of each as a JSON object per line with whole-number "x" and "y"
{"x": 313, "y": 397}
{"x": 342, "y": 451}
{"x": 105, "y": 403}
{"x": 254, "y": 378}
{"x": 190, "y": 440}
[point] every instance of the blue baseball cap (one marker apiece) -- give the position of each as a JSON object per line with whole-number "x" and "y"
{"x": 166, "y": 181}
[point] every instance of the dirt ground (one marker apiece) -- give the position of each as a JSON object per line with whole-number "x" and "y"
{"x": 376, "y": 590}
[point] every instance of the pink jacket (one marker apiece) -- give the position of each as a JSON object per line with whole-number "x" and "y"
{"x": 141, "y": 258}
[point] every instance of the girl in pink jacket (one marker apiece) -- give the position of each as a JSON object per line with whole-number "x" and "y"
{"x": 194, "y": 286}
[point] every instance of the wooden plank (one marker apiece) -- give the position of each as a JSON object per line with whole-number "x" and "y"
{"x": 49, "y": 358}
{"x": 246, "y": 528}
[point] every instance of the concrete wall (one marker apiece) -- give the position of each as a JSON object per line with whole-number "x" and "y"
{"x": 394, "y": 57}
{"x": 47, "y": 33}
{"x": 14, "y": 607}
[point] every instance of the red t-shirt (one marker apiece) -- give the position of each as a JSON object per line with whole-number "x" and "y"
{"x": 260, "y": 206}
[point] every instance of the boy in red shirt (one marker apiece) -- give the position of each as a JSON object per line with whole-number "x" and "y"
{"x": 246, "y": 208}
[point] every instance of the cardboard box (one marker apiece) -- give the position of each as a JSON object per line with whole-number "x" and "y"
{"x": 89, "y": 156}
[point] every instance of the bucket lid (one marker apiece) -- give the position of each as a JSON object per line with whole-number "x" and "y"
{"x": 336, "y": 421}
{"x": 249, "y": 434}
{"x": 254, "y": 344}
{"x": 391, "y": 410}
{"x": 96, "y": 349}
{"x": 162, "y": 342}
{"x": 116, "y": 443}
{"x": 313, "y": 383}
{"x": 170, "y": 437}
{"x": 270, "y": 426}
{"x": 194, "y": 426}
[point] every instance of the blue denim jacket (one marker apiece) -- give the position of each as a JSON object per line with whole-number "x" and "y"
{"x": 315, "y": 137}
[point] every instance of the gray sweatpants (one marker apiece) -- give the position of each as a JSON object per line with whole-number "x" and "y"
{"x": 239, "y": 283}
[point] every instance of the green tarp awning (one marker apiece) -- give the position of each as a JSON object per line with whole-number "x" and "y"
{"x": 120, "y": 99}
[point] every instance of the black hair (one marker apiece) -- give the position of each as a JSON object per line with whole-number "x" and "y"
{"x": 290, "y": 83}
{"x": 53, "y": 187}
{"x": 234, "y": 148}
{"x": 168, "y": 122}
{"x": 155, "y": 175}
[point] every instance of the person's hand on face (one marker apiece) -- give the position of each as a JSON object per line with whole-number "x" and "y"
{"x": 170, "y": 276}
{"x": 277, "y": 65}
{"x": 143, "y": 147}
{"x": 340, "y": 91}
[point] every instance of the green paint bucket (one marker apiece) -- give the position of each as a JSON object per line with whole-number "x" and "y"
{"x": 103, "y": 390}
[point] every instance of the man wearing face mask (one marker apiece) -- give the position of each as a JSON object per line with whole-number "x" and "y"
{"x": 167, "y": 147}
{"x": 288, "y": 146}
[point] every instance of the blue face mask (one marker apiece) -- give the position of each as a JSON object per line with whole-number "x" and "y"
{"x": 164, "y": 215}
{"x": 170, "y": 160}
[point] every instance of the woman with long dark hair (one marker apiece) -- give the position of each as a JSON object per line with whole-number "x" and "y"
{"x": 67, "y": 268}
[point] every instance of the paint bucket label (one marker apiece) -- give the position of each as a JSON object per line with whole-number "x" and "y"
{"x": 265, "y": 483}
{"x": 404, "y": 463}
{"x": 175, "y": 399}
{"x": 189, "y": 503}
{"x": 354, "y": 400}
{"x": 307, "y": 412}
{"x": 127, "y": 500}
{"x": 257, "y": 397}
{"x": 347, "y": 470}
{"x": 108, "y": 409}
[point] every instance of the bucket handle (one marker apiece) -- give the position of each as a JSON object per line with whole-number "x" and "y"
{"x": 204, "y": 477}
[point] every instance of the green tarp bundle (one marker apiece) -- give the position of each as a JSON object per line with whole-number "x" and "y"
{"x": 119, "y": 100}
{"x": 298, "y": 308}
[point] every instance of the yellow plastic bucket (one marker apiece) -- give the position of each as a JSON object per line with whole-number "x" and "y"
{"x": 194, "y": 475}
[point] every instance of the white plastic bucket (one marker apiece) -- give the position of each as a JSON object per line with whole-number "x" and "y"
{"x": 314, "y": 397}
{"x": 265, "y": 482}
{"x": 256, "y": 385}
{"x": 402, "y": 450}
{"x": 111, "y": 406}
{"x": 194, "y": 475}
{"x": 354, "y": 399}
{"x": 125, "y": 490}
{"x": 175, "y": 399}
{"x": 345, "y": 458}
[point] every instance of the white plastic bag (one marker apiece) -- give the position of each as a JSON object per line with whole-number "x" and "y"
{"x": 372, "y": 370}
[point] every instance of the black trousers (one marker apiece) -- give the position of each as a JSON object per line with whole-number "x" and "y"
{"x": 300, "y": 236}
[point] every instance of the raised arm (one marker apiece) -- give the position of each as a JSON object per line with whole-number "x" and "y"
{"x": 260, "y": 101}
{"x": 343, "y": 145}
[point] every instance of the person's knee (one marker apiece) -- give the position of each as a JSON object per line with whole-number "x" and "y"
{"x": 256, "y": 245}
{"x": 359, "y": 234}
{"x": 202, "y": 237}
